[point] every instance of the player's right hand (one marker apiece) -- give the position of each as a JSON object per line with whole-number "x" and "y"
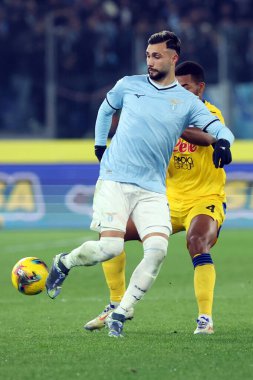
{"x": 99, "y": 151}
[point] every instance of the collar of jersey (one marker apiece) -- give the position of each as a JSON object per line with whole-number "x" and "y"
{"x": 159, "y": 87}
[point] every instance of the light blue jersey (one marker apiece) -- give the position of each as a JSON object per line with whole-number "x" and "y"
{"x": 151, "y": 121}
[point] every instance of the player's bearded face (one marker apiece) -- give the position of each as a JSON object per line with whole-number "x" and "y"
{"x": 157, "y": 74}
{"x": 159, "y": 61}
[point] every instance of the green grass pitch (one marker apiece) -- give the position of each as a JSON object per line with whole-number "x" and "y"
{"x": 42, "y": 338}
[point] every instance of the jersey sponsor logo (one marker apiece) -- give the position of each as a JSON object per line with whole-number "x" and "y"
{"x": 184, "y": 147}
{"x": 183, "y": 162}
{"x": 139, "y": 95}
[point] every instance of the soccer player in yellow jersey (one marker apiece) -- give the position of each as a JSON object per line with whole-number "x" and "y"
{"x": 195, "y": 190}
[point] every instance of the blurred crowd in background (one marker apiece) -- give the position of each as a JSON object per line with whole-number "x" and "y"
{"x": 81, "y": 47}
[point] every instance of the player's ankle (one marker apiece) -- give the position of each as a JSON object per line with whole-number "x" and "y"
{"x": 114, "y": 304}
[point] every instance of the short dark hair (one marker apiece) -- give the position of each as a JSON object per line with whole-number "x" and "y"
{"x": 191, "y": 68}
{"x": 171, "y": 39}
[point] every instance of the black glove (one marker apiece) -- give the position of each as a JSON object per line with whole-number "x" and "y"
{"x": 99, "y": 151}
{"x": 222, "y": 154}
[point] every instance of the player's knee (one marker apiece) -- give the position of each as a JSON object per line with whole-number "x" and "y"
{"x": 111, "y": 246}
{"x": 155, "y": 250}
{"x": 197, "y": 244}
{"x": 93, "y": 252}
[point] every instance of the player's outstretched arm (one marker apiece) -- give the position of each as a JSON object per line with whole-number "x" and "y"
{"x": 112, "y": 103}
{"x": 196, "y": 136}
{"x": 102, "y": 128}
{"x": 222, "y": 154}
{"x": 199, "y": 116}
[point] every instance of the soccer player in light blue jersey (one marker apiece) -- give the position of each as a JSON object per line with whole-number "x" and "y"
{"x": 155, "y": 110}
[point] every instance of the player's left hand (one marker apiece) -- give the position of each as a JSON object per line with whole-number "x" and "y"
{"x": 222, "y": 154}
{"x": 99, "y": 151}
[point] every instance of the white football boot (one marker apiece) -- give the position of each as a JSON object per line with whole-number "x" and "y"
{"x": 115, "y": 323}
{"x": 99, "y": 322}
{"x": 204, "y": 325}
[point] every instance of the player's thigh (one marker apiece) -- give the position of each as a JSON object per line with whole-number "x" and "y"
{"x": 110, "y": 207}
{"x": 177, "y": 217}
{"x": 205, "y": 219}
{"x": 131, "y": 231}
{"x": 151, "y": 214}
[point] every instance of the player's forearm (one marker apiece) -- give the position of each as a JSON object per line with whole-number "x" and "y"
{"x": 219, "y": 131}
{"x": 195, "y": 136}
{"x": 103, "y": 123}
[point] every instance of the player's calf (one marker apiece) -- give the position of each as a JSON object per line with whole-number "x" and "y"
{"x": 89, "y": 253}
{"x": 204, "y": 283}
{"x": 93, "y": 252}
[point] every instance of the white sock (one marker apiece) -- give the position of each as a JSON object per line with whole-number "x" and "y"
{"x": 93, "y": 252}
{"x": 155, "y": 249}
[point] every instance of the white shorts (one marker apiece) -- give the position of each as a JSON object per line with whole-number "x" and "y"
{"x": 115, "y": 202}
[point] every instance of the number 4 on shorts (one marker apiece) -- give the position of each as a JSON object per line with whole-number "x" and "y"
{"x": 211, "y": 208}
